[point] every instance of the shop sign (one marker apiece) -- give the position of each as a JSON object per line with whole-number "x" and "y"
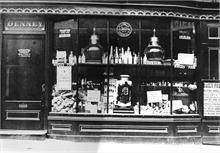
{"x": 185, "y": 58}
{"x": 64, "y": 77}
{"x": 124, "y": 29}
{"x": 182, "y": 24}
{"x": 185, "y": 34}
{"x": 24, "y": 25}
{"x": 211, "y": 99}
{"x": 24, "y": 53}
{"x": 64, "y": 33}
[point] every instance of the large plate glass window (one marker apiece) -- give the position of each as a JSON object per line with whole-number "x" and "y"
{"x": 184, "y": 91}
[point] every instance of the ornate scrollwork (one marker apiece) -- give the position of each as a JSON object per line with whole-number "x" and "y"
{"x": 107, "y": 12}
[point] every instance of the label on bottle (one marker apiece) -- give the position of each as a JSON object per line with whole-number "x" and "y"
{"x": 124, "y": 93}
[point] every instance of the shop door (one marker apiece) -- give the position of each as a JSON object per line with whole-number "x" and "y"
{"x": 23, "y": 82}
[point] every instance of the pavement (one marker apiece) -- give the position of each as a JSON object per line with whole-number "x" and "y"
{"x": 65, "y": 146}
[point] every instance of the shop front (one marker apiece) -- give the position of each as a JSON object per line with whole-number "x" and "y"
{"x": 101, "y": 70}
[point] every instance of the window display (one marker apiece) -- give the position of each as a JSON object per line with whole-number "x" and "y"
{"x": 118, "y": 72}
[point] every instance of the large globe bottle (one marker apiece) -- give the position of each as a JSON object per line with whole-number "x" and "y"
{"x": 154, "y": 51}
{"x": 94, "y": 50}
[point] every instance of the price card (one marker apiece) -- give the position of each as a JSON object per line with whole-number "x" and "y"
{"x": 61, "y": 54}
{"x": 177, "y": 104}
{"x": 154, "y": 96}
{"x": 93, "y": 95}
{"x": 185, "y": 59}
{"x": 64, "y": 33}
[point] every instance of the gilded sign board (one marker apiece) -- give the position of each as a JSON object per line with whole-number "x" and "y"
{"x": 24, "y": 25}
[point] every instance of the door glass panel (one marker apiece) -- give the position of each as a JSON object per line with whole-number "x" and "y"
{"x": 23, "y": 69}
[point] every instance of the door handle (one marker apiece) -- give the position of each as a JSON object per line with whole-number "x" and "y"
{"x": 43, "y": 88}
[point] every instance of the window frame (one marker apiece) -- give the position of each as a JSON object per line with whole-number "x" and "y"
{"x": 213, "y": 26}
{"x": 209, "y": 61}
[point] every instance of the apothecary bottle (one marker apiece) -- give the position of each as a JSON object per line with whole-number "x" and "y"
{"x": 94, "y": 51}
{"x": 124, "y": 91}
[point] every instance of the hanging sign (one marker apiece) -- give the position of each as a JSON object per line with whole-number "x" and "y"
{"x": 64, "y": 33}
{"x": 64, "y": 77}
{"x": 185, "y": 34}
{"x": 211, "y": 98}
{"x": 124, "y": 29}
{"x": 177, "y": 24}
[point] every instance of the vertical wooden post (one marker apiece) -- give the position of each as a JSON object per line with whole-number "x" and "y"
{"x": 172, "y": 67}
{"x": 1, "y": 41}
{"x": 47, "y": 68}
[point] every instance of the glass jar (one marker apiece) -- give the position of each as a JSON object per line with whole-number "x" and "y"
{"x": 124, "y": 91}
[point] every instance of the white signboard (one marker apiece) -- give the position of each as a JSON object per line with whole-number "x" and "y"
{"x": 64, "y": 33}
{"x": 61, "y": 54}
{"x": 154, "y": 96}
{"x": 177, "y": 104}
{"x": 93, "y": 95}
{"x": 186, "y": 59}
{"x": 211, "y": 99}
{"x": 64, "y": 77}
{"x": 24, "y": 53}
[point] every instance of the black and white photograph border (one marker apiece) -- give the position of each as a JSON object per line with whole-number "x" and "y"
{"x": 109, "y": 76}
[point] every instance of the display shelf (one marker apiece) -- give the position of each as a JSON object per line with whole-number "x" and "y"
{"x": 155, "y": 86}
{"x": 63, "y": 64}
{"x": 88, "y": 69}
{"x": 92, "y": 65}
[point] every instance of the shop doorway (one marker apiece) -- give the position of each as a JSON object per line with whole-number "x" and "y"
{"x": 23, "y": 82}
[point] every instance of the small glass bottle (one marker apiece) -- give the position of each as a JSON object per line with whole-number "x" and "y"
{"x": 145, "y": 59}
{"x": 111, "y": 58}
{"x": 71, "y": 58}
{"x": 116, "y": 56}
{"x": 83, "y": 58}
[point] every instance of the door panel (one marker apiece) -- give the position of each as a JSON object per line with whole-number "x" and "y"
{"x": 24, "y": 76}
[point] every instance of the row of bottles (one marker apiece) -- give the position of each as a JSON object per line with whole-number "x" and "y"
{"x": 94, "y": 53}
{"x": 71, "y": 60}
{"x": 117, "y": 56}
{"x": 157, "y": 83}
{"x": 122, "y": 56}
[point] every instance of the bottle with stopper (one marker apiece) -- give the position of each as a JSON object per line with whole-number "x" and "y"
{"x": 93, "y": 52}
{"x": 154, "y": 51}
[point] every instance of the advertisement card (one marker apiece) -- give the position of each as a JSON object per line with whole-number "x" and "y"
{"x": 154, "y": 96}
{"x": 64, "y": 77}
